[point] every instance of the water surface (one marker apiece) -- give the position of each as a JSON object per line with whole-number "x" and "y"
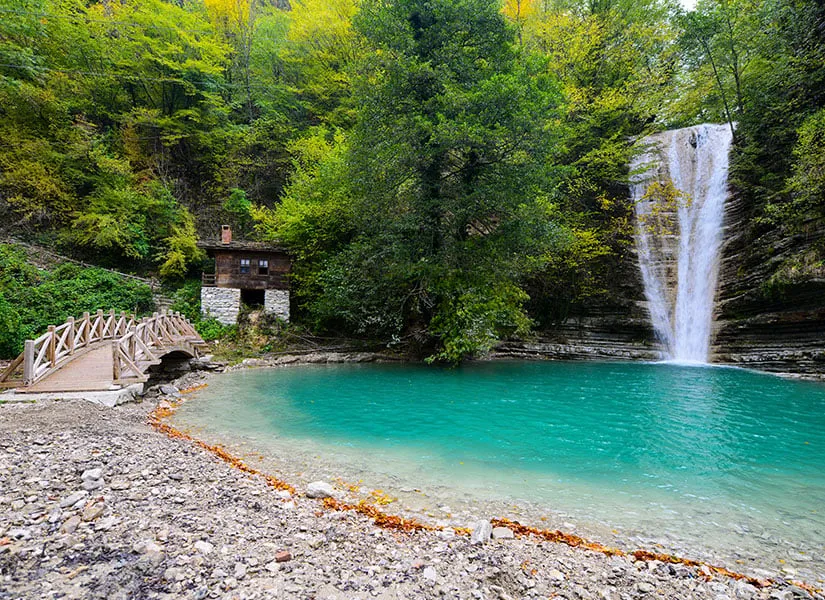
{"x": 716, "y": 462}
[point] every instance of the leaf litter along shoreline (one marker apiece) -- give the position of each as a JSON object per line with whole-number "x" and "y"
{"x": 164, "y": 519}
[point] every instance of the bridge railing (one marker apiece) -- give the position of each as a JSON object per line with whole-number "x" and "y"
{"x": 135, "y": 343}
{"x": 146, "y": 341}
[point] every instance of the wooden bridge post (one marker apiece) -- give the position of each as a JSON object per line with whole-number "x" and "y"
{"x": 28, "y": 362}
{"x": 50, "y": 353}
{"x": 87, "y": 333}
{"x": 70, "y": 338}
{"x": 99, "y": 324}
{"x": 115, "y": 360}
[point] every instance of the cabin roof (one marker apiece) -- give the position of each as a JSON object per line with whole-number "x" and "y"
{"x": 217, "y": 246}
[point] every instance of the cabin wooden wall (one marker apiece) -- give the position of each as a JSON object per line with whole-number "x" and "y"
{"x": 228, "y": 270}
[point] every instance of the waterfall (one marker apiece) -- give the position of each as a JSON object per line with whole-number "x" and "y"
{"x": 679, "y": 232}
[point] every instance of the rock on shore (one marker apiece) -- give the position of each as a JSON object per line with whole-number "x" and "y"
{"x": 96, "y": 504}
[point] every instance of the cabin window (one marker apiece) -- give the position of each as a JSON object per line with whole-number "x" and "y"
{"x": 245, "y": 266}
{"x": 263, "y": 267}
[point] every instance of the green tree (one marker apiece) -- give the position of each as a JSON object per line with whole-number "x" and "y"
{"x": 448, "y": 176}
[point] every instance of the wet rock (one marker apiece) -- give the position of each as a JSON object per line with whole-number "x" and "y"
{"x": 169, "y": 390}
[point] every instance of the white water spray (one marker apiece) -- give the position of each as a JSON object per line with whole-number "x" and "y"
{"x": 678, "y": 237}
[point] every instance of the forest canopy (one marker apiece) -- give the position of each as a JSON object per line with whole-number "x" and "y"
{"x": 446, "y": 172}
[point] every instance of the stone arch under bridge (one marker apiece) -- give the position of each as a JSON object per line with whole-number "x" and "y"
{"x": 97, "y": 352}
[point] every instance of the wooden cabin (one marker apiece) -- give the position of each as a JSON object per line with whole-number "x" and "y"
{"x": 246, "y": 273}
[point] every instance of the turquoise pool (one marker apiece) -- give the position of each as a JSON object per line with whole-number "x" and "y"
{"x": 699, "y": 459}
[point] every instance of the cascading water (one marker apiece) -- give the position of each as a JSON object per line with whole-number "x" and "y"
{"x": 679, "y": 232}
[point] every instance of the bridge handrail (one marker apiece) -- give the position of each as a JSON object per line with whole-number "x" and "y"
{"x": 133, "y": 342}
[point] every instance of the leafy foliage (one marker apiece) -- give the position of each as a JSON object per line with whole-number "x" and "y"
{"x": 445, "y": 172}
{"x": 31, "y": 299}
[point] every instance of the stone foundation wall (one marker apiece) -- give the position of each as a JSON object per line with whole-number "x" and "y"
{"x": 276, "y": 302}
{"x": 222, "y": 304}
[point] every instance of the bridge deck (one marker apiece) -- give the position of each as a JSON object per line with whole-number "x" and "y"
{"x": 90, "y": 372}
{"x": 100, "y": 352}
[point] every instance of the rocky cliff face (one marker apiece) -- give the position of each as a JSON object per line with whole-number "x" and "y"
{"x": 770, "y": 312}
{"x": 767, "y": 317}
{"x": 616, "y": 327}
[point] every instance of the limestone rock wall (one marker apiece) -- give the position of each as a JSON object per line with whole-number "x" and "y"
{"x": 616, "y": 327}
{"x": 222, "y": 304}
{"x": 778, "y": 328}
{"x": 276, "y": 302}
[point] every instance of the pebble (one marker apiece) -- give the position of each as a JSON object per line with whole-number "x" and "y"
{"x": 320, "y": 489}
{"x": 503, "y": 533}
{"x": 204, "y": 547}
{"x": 482, "y": 531}
{"x": 92, "y": 474}
{"x": 169, "y": 390}
{"x": 92, "y": 484}
{"x": 93, "y": 511}
{"x": 73, "y": 499}
{"x": 240, "y": 571}
{"x": 106, "y": 523}
{"x": 70, "y": 524}
{"x": 19, "y": 533}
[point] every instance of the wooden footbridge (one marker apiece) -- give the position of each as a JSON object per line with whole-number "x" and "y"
{"x": 100, "y": 352}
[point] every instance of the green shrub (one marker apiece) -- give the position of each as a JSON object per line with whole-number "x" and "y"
{"x": 33, "y": 299}
{"x": 212, "y": 329}
{"x": 11, "y": 338}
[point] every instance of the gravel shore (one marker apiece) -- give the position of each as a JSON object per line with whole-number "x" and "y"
{"x": 96, "y": 503}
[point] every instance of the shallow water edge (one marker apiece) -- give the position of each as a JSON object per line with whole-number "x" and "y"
{"x": 420, "y": 496}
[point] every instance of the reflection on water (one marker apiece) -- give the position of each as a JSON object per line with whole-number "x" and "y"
{"x": 646, "y": 448}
